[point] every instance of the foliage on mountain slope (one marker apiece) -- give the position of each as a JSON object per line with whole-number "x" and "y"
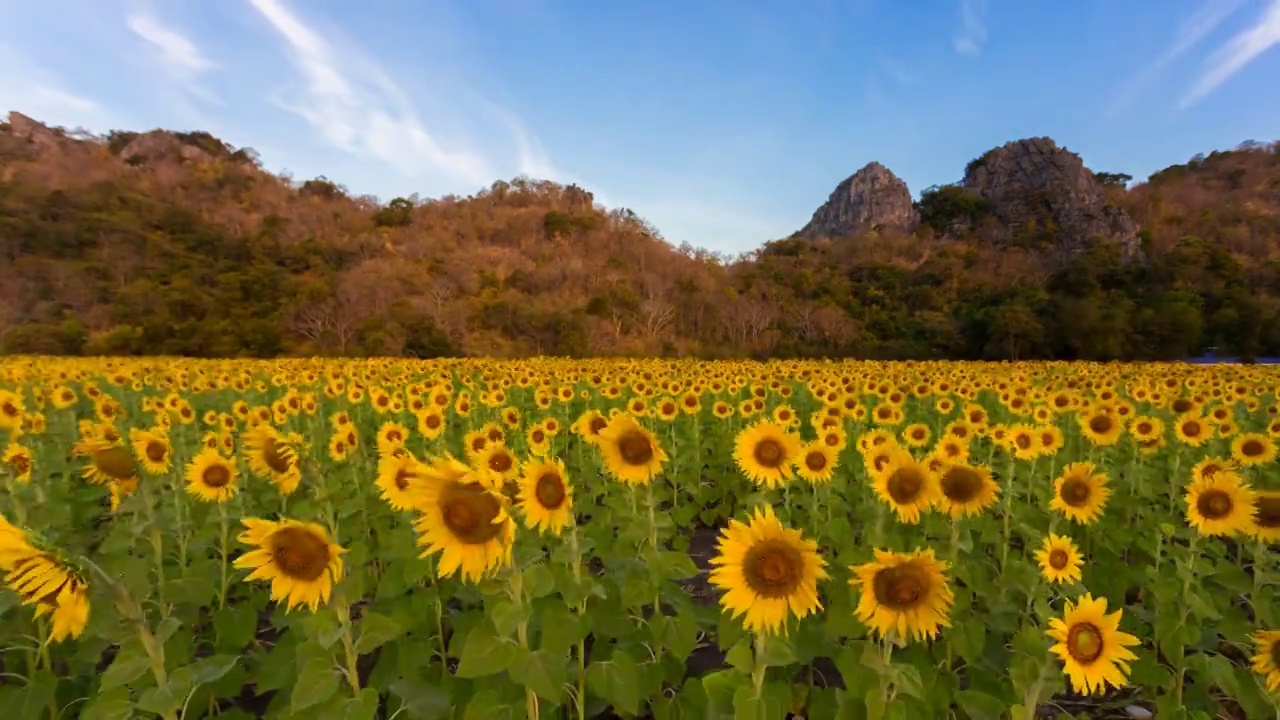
{"x": 179, "y": 244}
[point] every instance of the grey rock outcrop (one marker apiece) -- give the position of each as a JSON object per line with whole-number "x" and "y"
{"x": 33, "y": 131}
{"x": 160, "y": 145}
{"x": 1034, "y": 182}
{"x": 869, "y": 199}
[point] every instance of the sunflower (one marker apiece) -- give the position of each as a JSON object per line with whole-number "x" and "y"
{"x": 1024, "y": 442}
{"x": 1192, "y": 429}
{"x": 1267, "y": 662}
{"x": 109, "y": 461}
{"x": 11, "y": 410}
{"x": 908, "y": 486}
{"x": 42, "y": 579}
{"x": 903, "y": 593}
{"x": 298, "y": 558}
{"x": 463, "y": 519}
{"x": 18, "y": 458}
{"x": 1266, "y": 521}
{"x": 816, "y": 462}
{"x": 1101, "y": 427}
{"x": 1093, "y": 651}
{"x": 431, "y": 423}
{"x": 273, "y": 457}
{"x": 916, "y": 435}
{"x": 1220, "y": 505}
{"x": 152, "y": 449}
{"x": 589, "y": 425}
{"x": 965, "y": 489}
{"x": 1059, "y": 559}
{"x": 391, "y": 435}
{"x": 398, "y": 472}
{"x": 1253, "y": 449}
{"x": 1080, "y": 492}
{"x": 631, "y": 452}
{"x": 499, "y": 460}
{"x": 764, "y": 452}
{"x": 211, "y": 477}
{"x": 545, "y": 496}
{"x": 768, "y": 571}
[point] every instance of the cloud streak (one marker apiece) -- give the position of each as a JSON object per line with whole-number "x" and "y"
{"x": 1236, "y": 54}
{"x": 40, "y": 94}
{"x": 973, "y": 31}
{"x": 175, "y": 56}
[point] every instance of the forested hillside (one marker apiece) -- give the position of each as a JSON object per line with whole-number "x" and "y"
{"x": 176, "y": 243}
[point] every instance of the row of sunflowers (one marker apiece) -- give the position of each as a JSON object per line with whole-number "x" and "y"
{"x": 652, "y": 538}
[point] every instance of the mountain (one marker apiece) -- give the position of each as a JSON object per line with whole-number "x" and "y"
{"x": 167, "y": 242}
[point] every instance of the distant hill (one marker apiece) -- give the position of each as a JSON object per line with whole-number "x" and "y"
{"x": 177, "y": 243}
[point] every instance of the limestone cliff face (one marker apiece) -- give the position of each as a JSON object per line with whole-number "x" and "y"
{"x": 869, "y": 199}
{"x": 1033, "y": 182}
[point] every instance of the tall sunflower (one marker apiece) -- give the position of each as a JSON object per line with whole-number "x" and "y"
{"x": 1192, "y": 429}
{"x": 907, "y": 485}
{"x": 1093, "y": 650}
{"x": 1221, "y": 504}
{"x": 1101, "y": 427}
{"x": 905, "y": 594}
{"x": 768, "y": 572}
{"x": 545, "y": 496}
{"x": 1267, "y": 662}
{"x": 1080, "y": 493}
{"x": 589, "y": 426}
{"x": 273, "y": 457}
{"x": 152, "y": 449}
{"x": 965, "y": 489}
{"x": 398, "y": 472}
{"x": 18, "y": 458}
{"x": 211, "y": 477}
{"x": 44, "y": 580}
{"x": 1249, "y": 449}
{"x": 1266, "y": 521}
{"x": 631, "y": 452}
{"x": 1059, "y": 559}
{"x": 764, "y": 452}
{"x": 109, "y": 461}
{"x": 464, "y": 519}
{"x": 298, "y": 558}
{"x": 816, "y": 462}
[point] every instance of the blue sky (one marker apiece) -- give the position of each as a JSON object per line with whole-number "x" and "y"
{"x": 723, "y": 122}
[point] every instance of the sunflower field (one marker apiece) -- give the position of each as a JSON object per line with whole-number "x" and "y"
{"x": 637, "y": 538}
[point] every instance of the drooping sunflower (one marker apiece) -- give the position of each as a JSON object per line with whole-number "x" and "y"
{"x": 816, "y": 462}
{"x": 768, "y": 572}
{"x": 965, "y": 489}
{"x": 589, "y": 426}
{"x": 273, "y": 457}
{"x": 1093, "y": 650}
{"x": 463, "y": 519}
{"x": 152, "y": 449}
{"x": 764, "y": 452}
{"x": 398, "y": 472}
{"x": 42, "y": 579}
{"x": 907, "y": 485}
{"x": 1249, "y": 449}
{"x": 1221, "y": 504}
{"x": 545, "y": 496}
{"x": 1267, "y": 662}
{"x": 631, "y": 452}
{"x": 18, "y": 458}
{"x": 1060, "y": 560}
{"x": 1266, "y": 520}
{"x": 211, "y": 477}
{"x": 903, "y": 593}
{"x": 1080, "y": 493}
{"x": 109, "y": 461}
{"x": 298, "y": 558}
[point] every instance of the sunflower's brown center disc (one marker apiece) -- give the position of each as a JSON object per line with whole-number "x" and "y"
{"x": 773, "y": 568}
{"x": 1022, "y": 441}
{"x": 1252, "y": 448}
{"x": 1084, "y": 642}
{"x": 500, "y": 462}
{"x": 477, "y": 444}
{"x": 1268, "y": 507}
{"x": 905, "y": 484}
{"x": 469, "y": 513}
{"x": 20, "y": 464}
{"x": 216, "y": 476}
{"x": 635, "y": 448}
{"x": 8, "y": 408}
{"x": 394, "y": 436}
{"x": 433, "y": 421}
{"x": 402, "y": 479}
{"x": 496, "y": 435}
{"x": 276, "y": 455}
{"x": 300, "y": 554}
{"x": 1144, "y": 428}
{"x": 1214, "y": 504}
{"x": 597, "y": 424}
{"x": 538, "y": 436}
{"x": 901, "y": 587}
{"x": 1100, "y": 424}
{"x": 550, "y": 491}
{"x": 1075, "y": 492}
{"x": 769, "y": 453}
{"x": 815, "y": 461}
{"x": 1181, "y": 405}
{"x": 1191, "y": 428}
{"x": 961, "y": 484}
{"x": 831, "y": 439}
{"x": 115, "y": 462}
{"x": 156, "y": 451}
{"x": 1058, "y": 559}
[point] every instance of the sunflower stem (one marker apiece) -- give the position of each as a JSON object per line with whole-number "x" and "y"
{"x": 224, "y": 523}
{"x": 759, "y": 668}
{"x": 157, "y": 546}
{"x": 579, "y": 698}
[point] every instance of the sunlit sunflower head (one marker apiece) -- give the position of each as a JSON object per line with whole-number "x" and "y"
{"x": 589, "y": 426}
{"x": 545, "y": 496}
{"x": 466, "y": 522}
{"x": 43, "y": 579}
{"x": 877, "y": 459}
{"x": 17, "y": 459}
{"x": 391, "y": 435}
{"x": 1060, "y": 560}
{"x": 108, "y": 460}
{"x": 1100, "y": 426}
{"x": 767, "y": 571}
{"x": 1080, "y": 492}
{"x": 816, "y": 462}
{"x": 1266, "y": 519}
{"x": 298, "y": 558}
{"x": 398, "y": 473}
{"x": 1146, "y": 427}
{"x": 1250, "y": 449}
{"x": 1093, "y": 650}
{"x": 904, "y": 595}
{"x": 952, "y": 448}
{"x": 916, "y": 435}
{"x": 152, "y": 449}
{"x": 270, "y": 455}
{"x": 631, "y": 452}
{"x": 431, "y": 423}
{"x": 1221, "y": 504}
{"x": 965, "y": 489}
{"x": 907, "y": 485}
{"x": 211, "y": 477}
{"x": 1192, "y": 429}
{"x": 1024, "y": 442}
{"x": 1267, "y": 660}
{"x": 1049, "y": 439}
{"x": 499, "y": 460}
{"x": 765, "y": 451}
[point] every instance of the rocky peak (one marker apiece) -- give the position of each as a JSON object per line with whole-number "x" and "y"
{"x": 1036, "y": 188}
{"x": 34, "y": 132}
{"x": 869, "y": 199}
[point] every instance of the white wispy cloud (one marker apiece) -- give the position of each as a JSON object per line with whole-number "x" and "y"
{"x": 1190, "y": 33}
{"x": 1236, "y": 54}
{"x": 175, "y": 56}
{"x": 973, "y": 30}
{"x": 356, "y": 107}
{"x": 42, "y": 95}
